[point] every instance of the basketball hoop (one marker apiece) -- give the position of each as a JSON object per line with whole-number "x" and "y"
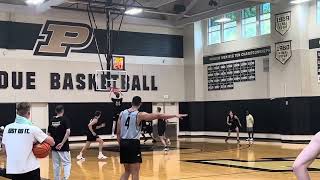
{"x": 111, "y": 81}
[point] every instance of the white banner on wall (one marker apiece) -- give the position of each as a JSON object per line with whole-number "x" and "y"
{"x": 283, "y": 22}
{"x": 283, "y": 51}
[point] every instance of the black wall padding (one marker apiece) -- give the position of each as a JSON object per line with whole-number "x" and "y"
{"x": 297, "y": 115}
{"x": 81, "y": 113}
{"x": 8, "y": 113}
{"x": 16, "y": 35}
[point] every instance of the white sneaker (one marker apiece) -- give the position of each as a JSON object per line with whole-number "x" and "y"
{"x": 80, "y": 157}
{"x": 112, "y": 136}
{"x": 251, "y": 139}
{"x": 166, "y": 149}
{"x": 101, "y": 157}
{"x": 248, "y": 139}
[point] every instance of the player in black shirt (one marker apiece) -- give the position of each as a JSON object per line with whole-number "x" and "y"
{"x": 59, "y": 129}
{"x": 234, "y": 124}
{"x": 147, "y": 129}
{"x": 93, "y": 137}
{"x": 162, "y": 125}
{"x": 117, "y": 108}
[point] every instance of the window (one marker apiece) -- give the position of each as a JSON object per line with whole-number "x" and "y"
{"x": 214, "y": 31}
{"x": 318, "y": 11}
{"x": 249, "y": 22}
{"x": 254, "y": 21}
{"x": 230, "y": 27}
{"x": 265, "y": 23}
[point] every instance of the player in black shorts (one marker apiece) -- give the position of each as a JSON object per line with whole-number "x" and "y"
{"x": 117, "y": 105}
{"x": 93, "y": 137}
{"x": 234, "y": 124}
{"x": 128, "y": 136}
{"x": 162, "y": 125}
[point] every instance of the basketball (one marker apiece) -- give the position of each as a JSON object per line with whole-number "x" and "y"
{"x": 41, "y": 150}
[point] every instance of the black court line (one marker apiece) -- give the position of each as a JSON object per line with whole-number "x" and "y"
{"x": 211, "y": 162}
{"x": 226, "y": 174}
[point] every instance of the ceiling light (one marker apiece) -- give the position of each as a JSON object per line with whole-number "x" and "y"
{"x": 298, "y": 1}
{"x": 133, "y": 11}
{"x": 34, "y": 2}
{"x": 222, "y": 20}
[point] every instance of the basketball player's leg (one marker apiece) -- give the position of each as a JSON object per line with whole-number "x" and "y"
{"x": 229, "y": 132}
{"x": 56, "y": 161}
{"x": 127, "y": 172}
{"x": 306, "y": 157}
{"x": 237, "y": 130}
{"x": 144, "y": 136}
{"x": 66, "y": 163}
{"x": 153, "y": 139}
{"x": 135, "y": 171}
{"x": 85, "y": 147}
{"x": 114, "y": 124}
{"x": 101, "y": 156}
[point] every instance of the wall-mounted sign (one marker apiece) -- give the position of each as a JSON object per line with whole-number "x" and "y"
{"x": 314, "y": 43}
{"x": 250, "y": 53}
{"x": 283, "y": 22}
{"x": 283, "y": 51}
{"x": 223, "y": 76}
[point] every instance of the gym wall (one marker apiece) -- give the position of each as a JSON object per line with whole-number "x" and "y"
{"x": 283, "y": 98}
{"x": 153, "y": 54}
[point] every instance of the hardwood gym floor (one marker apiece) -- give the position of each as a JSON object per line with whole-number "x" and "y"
{"x": 194, "y": 159}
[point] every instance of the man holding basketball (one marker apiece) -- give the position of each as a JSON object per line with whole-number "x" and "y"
{"x": 59, "y": 129}
{"x": 18, "y": 140}
{"x": 128, "y": 136}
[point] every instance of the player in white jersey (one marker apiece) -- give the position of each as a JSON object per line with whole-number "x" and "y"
{"x": 128, "y": 136}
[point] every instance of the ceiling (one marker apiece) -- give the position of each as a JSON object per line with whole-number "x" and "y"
{"x": 176, "y": 12}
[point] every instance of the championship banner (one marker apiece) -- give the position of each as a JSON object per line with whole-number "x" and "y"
{"x": 283, "y": 51}
{"x": 283, "y": 22}
{"x": 223, "y": 76}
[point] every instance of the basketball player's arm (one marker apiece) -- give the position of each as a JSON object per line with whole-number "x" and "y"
{"x": 118, "y": 128}
{"x": 65, "y": 138}
{"x": 101, "y": 126}
{"x": 236, "y": 117}
{"x": 143, "y": 116}
{"x": 41, "y": 137}
{"x": 228, "y": 121}
{"x": 93, "y": 122}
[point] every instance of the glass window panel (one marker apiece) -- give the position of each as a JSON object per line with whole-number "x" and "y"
{"x": 214, "y": 37}
{"x": 230, "y": 24}
{"x": 318, "y": 11}
{"x": 214, "y": 28}
{"x": 265, "y": 17}
{"x": 249, "y": 20}
{"x": 265, "y": 27}
{"x": 249, "y": 12}
{"x": 230, "y": 34}
{"x": 250, "y": 30}
{"x": 265, "y": 8}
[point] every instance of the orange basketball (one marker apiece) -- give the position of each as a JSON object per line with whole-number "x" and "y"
{"x": 41, "y": 150}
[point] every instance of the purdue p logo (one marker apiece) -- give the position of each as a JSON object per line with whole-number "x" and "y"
{"x": 59, "y": 38}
